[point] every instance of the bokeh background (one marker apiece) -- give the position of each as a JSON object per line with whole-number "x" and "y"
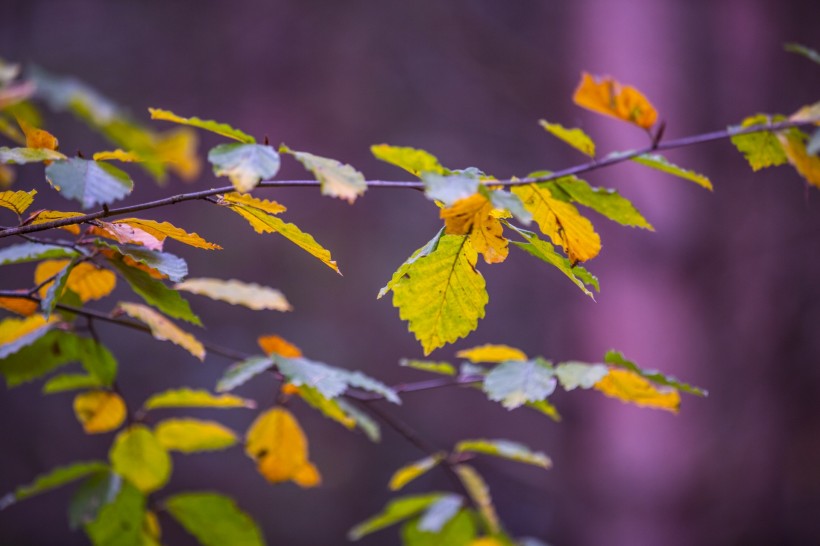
{"x": 724, "y": 294}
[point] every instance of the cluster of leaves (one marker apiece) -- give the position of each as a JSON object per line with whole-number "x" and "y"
{"x": 438, "y": 291}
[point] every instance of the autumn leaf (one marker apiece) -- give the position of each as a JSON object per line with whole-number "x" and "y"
{"x": 335, "y": 179}
{"x": 330, "y": 381}
{"x": 43, "y": 216}
{"x": 85, "y": 279}
{"x": 604, "y": 201}
{"x": 329, "y": 407}
{"x": 215, "y": 127}
{"x": 21, "y": 306}
{"x": 275, "y": 344}
{"x": 37, "y": 138}
{"x": 250, "y": 295}
{"x": 99, "y": 411}
{"x": 660, "y": 163}
{"x": 410, "y": 472}
{"x": 17, "y": 201}
{"x": 193, "y": 435}
{"x": 630, "y": 387}
{"x": 441, "y": 295}
{"x": 449, "y": 189}
{"x": 794, "y": 146}
{"x": 443, "y": 368}
{"x": 164, "y": 230}
{"x": 271, "y": 207}
{"x": 480, "y": 495}
{"x": 125, "y": 234}
{"x": 514, "y": 383}
{"x": 607, "y": 96}
{"x": 760, "y": 149}
{"x": 118, "y": 155}
{"x": 138, "y": 456}
{"x": 18, "y": 333}
{"x": 241, "y": 372}
{"x": 163, "y": 329}
{"x": 473, "y": 216}
{"x": 245, "y": 164}
{"x": 492, "y": 353}
{"x": 21, "y": 156}
{"x": 214, "y": 519}
{"x": 576, "y": 138}
{"x": 412, "y": 160}
{"x": 561, "y": 221}
{"x": 506, "y": 449}
{"x": 191, "y": 398}
{"x": 278, "y": 445}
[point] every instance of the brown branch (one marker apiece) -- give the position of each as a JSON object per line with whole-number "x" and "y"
{"x": 595, "y": 164}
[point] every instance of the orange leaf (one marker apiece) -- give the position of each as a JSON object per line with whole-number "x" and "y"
{"x": 630, "y": 387}
{"x": 43, "y": 216}
{"x": 99, "y": 411}
{"x": 37, "y": 138}
{"x": 473, "y": 215}
{"x": 87, "y": 280}
{"x": 278, "y": 445}
{"x": 606, "y": 96}
{"x": 279, "y": 345}
{"x": 21, "y": 306}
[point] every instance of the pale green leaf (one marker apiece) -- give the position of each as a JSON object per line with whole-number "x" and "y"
{"x": 192, "y": 435}
{"x": 214, "y": 519}
{"x": 480, "y": 495}
{"x": 250, "y": 295}
{"x": 215, "y": 127}
{"x": 442, "y": 295}
{"x": 245, "y": 164}
{"x": 397, "y": 510}
{"x": 604, "y": 201}
{"x": 443, "y": 368}
{"x": 806, "y": 52}
{"x": 359, "y": 380}
{"x": 364, "y": 422}
{"x": 336, "y": 179}
{"x": 449, "y": 189}
{"x": 576, "y": 138}
{"x": 660, "y": 163}
{"x": 20, "y": 156}
{"x": 410, "y": 472}
{"x": 617, "y": 359}
{"x": 190, "y": 398}
{"x": 71, "y": 382}
{"x": 51, "y": 480}
{"x": 457, "y": 531}
{"x": 507, "y": 450}
{"x": 515, "y": 383}
{"x": 572, "y": 375}
{"x": 431, "y": 245}
{"x": 440, "y": 513}
{"x": 329, "y": 380}
{"x": 89, "y": 182}
{"x": 412, "y": 160}
{"x": 98, "y": 490}
{"x": 508, "y": 201}
{"x": 119, "y": 523}
{"x": 240, "y": 372}
{"x": 761, "y": 149}
{"x": 138, "y": 456}
{"x": 31, "y": 252}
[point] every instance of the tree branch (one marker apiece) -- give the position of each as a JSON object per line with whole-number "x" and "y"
{"x": 611, "y": 159}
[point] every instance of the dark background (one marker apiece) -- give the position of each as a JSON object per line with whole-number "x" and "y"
{"x": 724, "y": 294}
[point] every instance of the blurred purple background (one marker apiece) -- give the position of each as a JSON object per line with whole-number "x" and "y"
{"x": 725, "y": 293}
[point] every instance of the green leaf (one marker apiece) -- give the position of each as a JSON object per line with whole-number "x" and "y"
{"x": 51, "y": 480}
{"x": 545, "y": 252}
{"x": 336, "y": 179}
{"x": 192, "y": 435}
{"x": 359, "y": 380}
{"x": 443, "y": 368}
{"x": 604, "y": 201}
{"x": 20, "y": 156}
{"x": 572, "y": 375}
{"x": 190, "y": 398}
{"x": 241, "y": 372}
{"x": 440, "y": 513}
{"x": 32, "y": 252}
{"x": 214, "y": 519}
{"x": 89, "y": 182}
{"x": 364, "y": 422}
{"x": 15, "y": 334}
{"x": 431, "y": 246}
{"x": 119, "y": 523}
{"x": 397, "y": 510}
{"x": 507, "y": 450}
{"x": 410, "y": 472}
{"x": 761, "y": 149}
{"x": 660, "y": 163}
{"x": 412, "y": 160}
{"x": 98, "y": 490}
{"x": 155, "y": 293}
{"x": 174, "y": 267}
{"x": 617, "y": 359}
{"x": 329, "y": 380}
{"x": 480, "y": 495}
{"x": 806, "y": 52}
{"x": 138, "y": 456}
{"x": 48, "y": 353}
{"x": 574, "y": 137}
{"x": 245, "y": 164}
{"x": 215, "y": 127}
{"x": 449, "y": 189}
{"x": 545, "y": 407}
{"x": 458, "y": 531}
{"x": 98, "y": 361}
{"x": 515, "y": 383}
{"x": 442, "y": 295}
{"x": 71, "y": 382}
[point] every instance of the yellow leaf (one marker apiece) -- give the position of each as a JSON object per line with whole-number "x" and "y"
{"x": 329, "y": 407}
{"x": 473, "y": 215}
{"x": 492, "y": 353}
{"x": 7, "y": 176}
{"x": 278, "y": 445}
{"x": 21, "y": 306}
{"x": 118, "y": 155}
{"x": 631, "y": 387}
{"x": 282, "y": 347}
{"x": 37, "y": 138}
{"x": 410, "y": 472}
{"x": 808, "y": 166}
{"x": 99, "y": 411}
{"x": 150, "y": 526}
{"x": 411, "y": 160}
{"x": 125, "y": 234}
{"x": 561, "y": 221}
{"x": 486, "y": 541}
{"x": 480, "y": 494}
{"x": 43, "y": 216}
{"x": 219, "y": 128}
{"x": 192, "y": 435}
{"x": 163, "y": 329}
{"x": 178, "y": 149}
{"x": 17, "y": 201}
{"x": 250, "y": 295}
{"x": 607, "y": 96}
{"x": 163, "y": 230}
{"x": 271, "y": 207}
{"x": 86, "y": 279}
{"x": 137, "y": 456}
{"x": 574, "y": 137}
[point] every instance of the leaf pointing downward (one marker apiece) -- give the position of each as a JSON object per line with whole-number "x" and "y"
{"x": 163, "y": 329}
{"x": 336, "y": 179}
{"x": 279, "y": 447}
{"x": 89, "y": 182}
{"x": 244, "y": 164}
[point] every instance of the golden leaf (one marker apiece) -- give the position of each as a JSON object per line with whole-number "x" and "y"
{"x": 21, "y": 306}
{"x": 43, "y": 216}
{"x": 86, "y": 279}
{"x": 250, "y": 295}
{"x": 474, "y": 216}
{"x": 118, "y": 155}
{"x": 808, "y": 166}
{"x": 178, "y": 148}
{"x": 17, "y": 201}
{"x": 607, "y": 96}
{"x": 492, "y": 353}
{"x": 271, "y": 207}
{"x": 191, "y": 435}
{"x": 631, "y": 387}
{"x": 278, "y": 445}
{"x": 37, "y": 138}
{"x": 99, "y": 411}
{"x": 163, "y": 329}
{"x": 12, "y": 329}
{"x": 163, "y": 230}
{"x": 282, "y": 347}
